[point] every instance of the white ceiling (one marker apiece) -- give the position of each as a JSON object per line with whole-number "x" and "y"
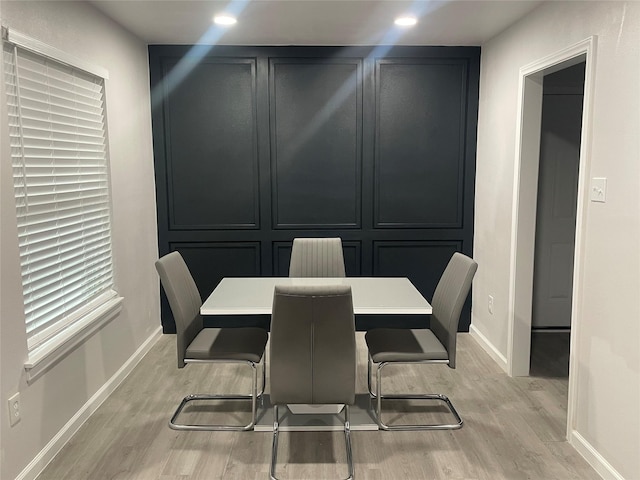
{"x": 317, "y": 22}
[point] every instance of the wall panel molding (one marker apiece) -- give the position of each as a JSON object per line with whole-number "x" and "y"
{"x": 422, "y": 262}
{"x": 207, "y": 127}
{"x": 420, "y": 142}
{"x": 255, "y": 146}
{"x": 316, "y": 138}
{"x": 211, "y": 261}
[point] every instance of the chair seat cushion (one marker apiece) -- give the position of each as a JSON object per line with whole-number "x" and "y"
{"x": 404, "y": 345}
{"x": 242, "y": 343}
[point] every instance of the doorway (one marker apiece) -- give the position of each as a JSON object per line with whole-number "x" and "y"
{"x": 561, "y": 128}
{"x": 525, "y": 205}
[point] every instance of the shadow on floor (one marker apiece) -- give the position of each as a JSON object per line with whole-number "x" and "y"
{"x": 549, "y": 354}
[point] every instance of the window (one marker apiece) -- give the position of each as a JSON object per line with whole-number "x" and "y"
{"x": 58, "y": 142}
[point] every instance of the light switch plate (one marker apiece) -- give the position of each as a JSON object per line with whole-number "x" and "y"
{"x": 598, "y": 189}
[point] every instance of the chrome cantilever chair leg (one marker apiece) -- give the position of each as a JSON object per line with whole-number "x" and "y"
{"x": 276, "y": 431}
{"x": 254, "y": 396}
{"x": 347, "y": 439}
{"x": 274, "y": 446}
{"x": 378, "y": 396}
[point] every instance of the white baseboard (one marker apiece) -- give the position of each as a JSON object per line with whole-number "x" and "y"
{"x": 593, "y": 457}
{"x": 488, "y": 347}
{"x": 52, "y": 448}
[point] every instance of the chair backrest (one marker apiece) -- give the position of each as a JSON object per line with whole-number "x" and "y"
{"x": 448, "y": 299}
{"x": 184, "y": 299}
{"x": 312, "y": 345}
{"x": 317, "y": 257}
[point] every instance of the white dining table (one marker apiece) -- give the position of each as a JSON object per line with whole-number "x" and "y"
{"x": 370, "y": 295}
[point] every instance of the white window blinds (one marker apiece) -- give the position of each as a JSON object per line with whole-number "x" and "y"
{"x": 61, "y": 180}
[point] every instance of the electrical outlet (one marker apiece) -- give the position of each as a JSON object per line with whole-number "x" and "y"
{"x": 14, "y": 409}
{"x": 490, "y": 304}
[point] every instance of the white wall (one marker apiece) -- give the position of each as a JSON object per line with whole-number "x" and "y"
{"x": 608, "y": 346}
{"x": 54, "y": 398}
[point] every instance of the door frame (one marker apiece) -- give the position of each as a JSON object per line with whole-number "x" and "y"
{"x": 525, "y": 193}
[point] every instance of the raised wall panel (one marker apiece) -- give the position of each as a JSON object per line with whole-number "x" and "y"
{"x": 210, "y": 125}
{"x": 423, "y": 263}
{"x": 316, "y": 134}
{"x": 420, "y": 142}
{"x": 210, "y": 262}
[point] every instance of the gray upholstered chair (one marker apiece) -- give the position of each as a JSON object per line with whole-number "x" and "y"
{"x": 196, "y": 344}
{"x": 313, "y": 352}
{"x": 317, "y": 257}
{"x": 436, "y": 345}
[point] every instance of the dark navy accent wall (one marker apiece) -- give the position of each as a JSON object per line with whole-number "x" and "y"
{"x": 255, "y": 146}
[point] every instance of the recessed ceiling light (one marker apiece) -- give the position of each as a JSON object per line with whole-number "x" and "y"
{"x": 224, "y": 19}
{"x": 405, "y": 21}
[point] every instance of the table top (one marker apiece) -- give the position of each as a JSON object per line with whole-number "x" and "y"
{"x": 371, "y": 295}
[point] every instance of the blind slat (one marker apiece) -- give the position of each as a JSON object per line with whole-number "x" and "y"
{"x": 98, "y": 240}
{"x": 50, "y": 94}
{"x": 69, "y": 278}
{"x": 37, "y": 107}
{"x": 70, "y": 86}
{"x": 48, "y": 294}
{"x": 60, "y": 140}
{"x": 50, "y": 125}
{"x": 46, "y": 248}
{"x": 29, "y": 116}
{"x": 64, "y": 198}
{"x": 47, "y": 134}
{"x": 38, "y": 62}
{"x": 56, "y": 309}
{"x": 40, "y": 331}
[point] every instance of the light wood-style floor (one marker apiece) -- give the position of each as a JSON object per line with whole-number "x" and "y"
{"x": 514, "y": 428}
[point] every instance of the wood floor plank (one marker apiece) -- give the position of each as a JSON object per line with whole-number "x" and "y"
{"x": 514, "y": 428}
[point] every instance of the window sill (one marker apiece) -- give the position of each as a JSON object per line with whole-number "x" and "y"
{"x": 48, "y": 354}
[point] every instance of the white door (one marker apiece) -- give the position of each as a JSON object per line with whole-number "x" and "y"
{"x": 556, "y": 210}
